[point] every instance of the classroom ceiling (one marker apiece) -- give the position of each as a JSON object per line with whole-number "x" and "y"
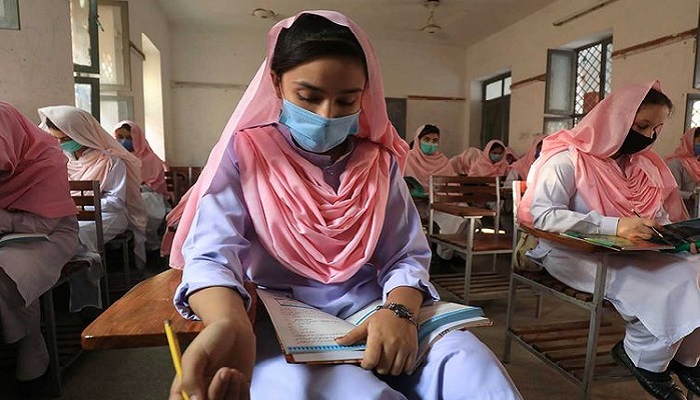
{"x": 463, "y": 22}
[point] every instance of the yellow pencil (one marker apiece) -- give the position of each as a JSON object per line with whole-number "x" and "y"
{"x": 175, "y": 353}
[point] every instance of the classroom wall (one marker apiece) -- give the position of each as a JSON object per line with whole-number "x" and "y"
{"x": 522, "y": 49}
{"x": 212, "y": 67}
{"x": 36, "y": 64}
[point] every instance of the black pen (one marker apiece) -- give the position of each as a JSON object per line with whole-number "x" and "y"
{"x": 656, "y": 231}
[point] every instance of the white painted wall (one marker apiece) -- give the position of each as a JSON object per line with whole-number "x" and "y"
{"x": 36, "y": 64}
{"x": 226, "y": 60}
{"x": 522, "y": 49}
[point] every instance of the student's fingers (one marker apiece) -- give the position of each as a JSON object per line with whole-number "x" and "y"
{"x": 193, "y": 365}
{"x": 410, "y": 361}
{"x": 693, "y": 248}
{"x": 229, "y": 384}
{"x": 354, "y": 336}
{"x": 373, "y": 354}
{"x": 400, "y": 362}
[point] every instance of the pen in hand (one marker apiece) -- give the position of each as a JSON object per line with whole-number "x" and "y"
{"x": 656, "y": 231}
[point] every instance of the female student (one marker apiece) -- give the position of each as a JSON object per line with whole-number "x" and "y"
{"x": 685, "y": 165}
{"x": 154, "y": 190}
{"x": 94, "y": 155}
{"x": 34, "y": 198}
{"x": 462, "y": 162}
{"x": 520, "y": 168}
{"x": 304, "y": 194}
{"x": 492, "y": 161}
{"x": 424, "y": 158}
{"x": 592, "y": 179}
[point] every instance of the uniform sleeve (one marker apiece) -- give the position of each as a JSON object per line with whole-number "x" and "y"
{"x": 113, "y": 187}
{"x": 403, "y": 254}
{"x": 216, "y": 240}
{"x": 682, "y": 178}
{"x": 551, "y": 203}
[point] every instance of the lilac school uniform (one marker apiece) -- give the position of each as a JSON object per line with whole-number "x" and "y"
{"x": 222, "y": 248}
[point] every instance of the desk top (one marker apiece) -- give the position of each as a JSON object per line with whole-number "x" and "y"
{"x": 136, "y": 320}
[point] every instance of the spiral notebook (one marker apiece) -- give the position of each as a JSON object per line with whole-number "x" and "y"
{"x": 306, "y": 334}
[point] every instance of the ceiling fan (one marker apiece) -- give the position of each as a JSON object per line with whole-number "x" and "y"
{"x": 431, "y": 26}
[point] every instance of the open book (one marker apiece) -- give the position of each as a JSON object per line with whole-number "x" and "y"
{"x": 21, "y": 237}
{"x": 307, "y": 334}
{"x": 676, "y": 237}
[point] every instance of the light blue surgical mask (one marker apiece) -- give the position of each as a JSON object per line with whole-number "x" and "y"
{"x": 128, "y": 144}
{"x": 428, "y": 148}
{"x": 315, "y": 133}
{"x": 71, "y": 146}
{"x": 696, "y": 149}
{"x": 495, "y": 157}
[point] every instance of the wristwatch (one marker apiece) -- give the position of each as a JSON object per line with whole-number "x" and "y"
{"x": 400, "y": 311}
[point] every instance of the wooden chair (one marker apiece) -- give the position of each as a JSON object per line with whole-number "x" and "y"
{"x": 123, "y": 242}
{"x": 580, "y": 350}
{"x": 136, "y": 319}
{"x": 454, "y": 195}
{"x": 62, "y": 343}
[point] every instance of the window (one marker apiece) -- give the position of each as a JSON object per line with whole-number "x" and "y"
{"x": 696, "y": 77}
{"x": 576, "y": 81}
{"x": 692, "y": 111}
{"x": 114, "y": 109}
{"x": 115, "y": 62}
{"x": 495, "y": 109}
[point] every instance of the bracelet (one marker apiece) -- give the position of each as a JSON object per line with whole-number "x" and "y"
{"x": 400, "y": 311}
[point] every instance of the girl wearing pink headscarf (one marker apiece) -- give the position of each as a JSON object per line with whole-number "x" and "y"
{"x": 304, "y": 194}
{"x": 93, "y": 154}
{"x": 154, "y": 190}
{"x": 462, "y": 162}
{"x": 492, "y": 161}
{"x": 685, "y": 164}
{"x": 34, "y": 198}
{"x": 424, "y": 158}
{"x": 591, "y": 179}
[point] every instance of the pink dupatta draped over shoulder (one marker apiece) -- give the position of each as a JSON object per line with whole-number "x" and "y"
{"x": 483, "y": 166}
{"x": 420, "y": 165}
{"x": 33, "y": 175}
{"x": 94, "y": 165}
{"x": 523, "y": 164}
{"x": 463, "y": 161}
{"x": 645, "y": 185}
{"x": 363, "y": 188}
{"x": 152, "y": 167}
{"x": 686, "y": 154}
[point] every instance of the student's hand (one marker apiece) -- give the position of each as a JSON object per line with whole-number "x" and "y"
{"x": 636, "y": 228}
{"x": 217, "y": 365}
{"x": 693, "y": 248}
{"x": 392, "y": 342}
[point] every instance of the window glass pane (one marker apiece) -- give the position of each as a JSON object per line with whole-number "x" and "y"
{"x": 588, "y": 78}
{"x": 608, "y": 68}
{"x": 552, "y": 125}
{"x": 113, "y": 65}
{"x": 114, "y": 109}
{"x": 694, "y": 114}
{"x": 493, "y": 90}
{"x": 83, "y": 96}
{"x": 506, "y": 85}
{"x": 80, "y": 30}
{"x": 560, "y": 82}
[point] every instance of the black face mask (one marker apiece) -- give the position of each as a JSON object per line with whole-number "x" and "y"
{"x": 635, "y": 142}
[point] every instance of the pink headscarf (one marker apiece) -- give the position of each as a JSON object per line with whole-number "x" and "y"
{"x": 463, "y": 161}
{"x": 94, "y": 165}
{"x": 420, "y": 165}
{"x": 483, "y": 166}
{"x": 685, "y": 152}
{"x": 152, "y": 167}
{"x": 646, "y": 185}
{"x": 33, "y": 176}
{"x": 523, "y": 164}
{"x": 327, "y": 214}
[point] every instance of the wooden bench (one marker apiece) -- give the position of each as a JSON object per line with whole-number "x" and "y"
{"x": 136, "y": 319}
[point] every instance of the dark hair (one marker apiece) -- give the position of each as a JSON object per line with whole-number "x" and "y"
{"x": 312, "y": 37}
{"x": 126, "y": 126}
{"x": 697, "y": 132}
{"x": 497, "y": 145}
{"x": 428, "y": 129}
{"x": 655, "y": 97}
{"x": 51, "y": 125}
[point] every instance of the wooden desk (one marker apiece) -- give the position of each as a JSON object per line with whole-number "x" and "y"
{"x": 136, "y": 320}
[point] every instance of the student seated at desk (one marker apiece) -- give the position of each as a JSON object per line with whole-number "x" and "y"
{"x": 304, "y": 194}
{"x": 591, "y": 179}
{"x": 154, "y": 190}
{"x": 34, "y": 198}
{"x": 492, "y": 161}
{"x": 95, "y": 155}
{"x": 685, "y": 165}
{"x": 462, "y": 162}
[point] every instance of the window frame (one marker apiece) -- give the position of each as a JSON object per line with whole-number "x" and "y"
{"x": 126, "y": 50}
{"x": 94, "y": 67}
{"x": 690, "y": 99}
{"x": 94, "y": 93}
